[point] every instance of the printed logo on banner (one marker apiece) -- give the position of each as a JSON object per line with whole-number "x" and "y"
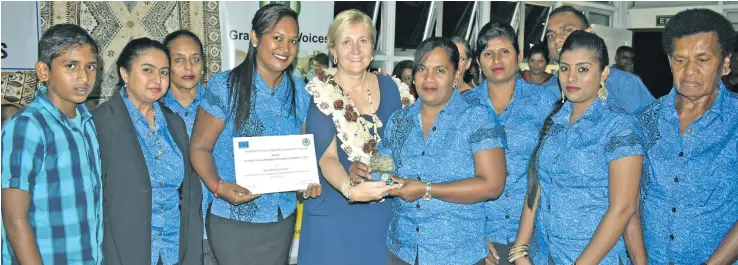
{"x": 243, "y": 145}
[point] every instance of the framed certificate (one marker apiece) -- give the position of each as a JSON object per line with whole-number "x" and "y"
{"x": 270, "y": 164}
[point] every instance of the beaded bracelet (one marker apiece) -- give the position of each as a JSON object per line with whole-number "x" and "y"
{"x": 217, "y": 185}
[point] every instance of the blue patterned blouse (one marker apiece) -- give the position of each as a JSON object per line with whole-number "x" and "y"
{"x": 166, "y": 171}
{"x": 573, "y": 174}
{"x": 271, "y": 115}
{"x": 521, "y": 120}
{"x": 691, "y": 190}
{"x": 435, "y": 231}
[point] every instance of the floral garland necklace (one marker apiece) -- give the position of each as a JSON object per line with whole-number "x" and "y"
{"x": 352, "y": 129}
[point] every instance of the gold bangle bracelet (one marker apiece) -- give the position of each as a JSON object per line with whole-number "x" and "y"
{"x": 517, "y": 255}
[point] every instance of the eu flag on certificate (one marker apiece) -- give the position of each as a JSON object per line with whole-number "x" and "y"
{"x": 244, "y": 144}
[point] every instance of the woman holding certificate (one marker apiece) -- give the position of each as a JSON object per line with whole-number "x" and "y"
{"x": 257, "y": 98}
{"x": 449, "y": 156}
{"x": 348, "y": 224}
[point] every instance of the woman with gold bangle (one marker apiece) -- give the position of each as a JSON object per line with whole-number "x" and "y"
{"x": 584, "y": 175}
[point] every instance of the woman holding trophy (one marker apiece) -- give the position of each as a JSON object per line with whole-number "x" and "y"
{"x": 449, "y": 157}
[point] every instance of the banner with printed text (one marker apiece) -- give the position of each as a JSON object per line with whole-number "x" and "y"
{"x": 314, "y": 19}
{"x": 20, "y": 28}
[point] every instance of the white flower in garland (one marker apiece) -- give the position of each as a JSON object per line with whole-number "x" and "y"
{"x": 353, "y": 129}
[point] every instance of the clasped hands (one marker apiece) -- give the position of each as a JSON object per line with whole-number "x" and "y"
{"x": 409, "y": 190}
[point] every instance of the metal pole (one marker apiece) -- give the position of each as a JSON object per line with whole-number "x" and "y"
{"x": 429, "y": 22}
{"x": 376, "y": 13}
{"x": 471, "y": 21}
{"x": 521, "y": 26}
{"x": 543, "y": 35}
{"x": 514, "y": 20}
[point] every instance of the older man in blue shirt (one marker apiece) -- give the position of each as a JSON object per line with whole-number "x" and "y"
{"x": 690, "y": 191}
{"x": 626, "y": 91}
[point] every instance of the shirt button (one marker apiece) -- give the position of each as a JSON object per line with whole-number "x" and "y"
{"x": 676, "y": 179}
{"x": 671, "y": 263}
{"x": 689, "y": 130}
{"x": 277, "y": 116}
{"x": 419, "y": 178}
{"x": 187, "y": 114}
{"x": 161, "y": 184}
{"x": 417, "y": 229}
{"x": 507, "y": 195}
{"x": 272, "y": 93}
{"x": 681, "y": 154}
{"x": 417, "y": 206}
{"x": 673, "y": 210}
{"x": 159, "y": 234}
{"x": 422, "y": 153}
{"x": 434, "y": 128}
{"x": 161, "y": 207}
{"x": 549, "y": 206}
{"x": 507, "y": 216}
{"x": 671, "y": 236}
{"x": 149, "y": 135}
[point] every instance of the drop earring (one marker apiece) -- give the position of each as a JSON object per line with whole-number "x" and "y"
{"x": 602, "y": 93}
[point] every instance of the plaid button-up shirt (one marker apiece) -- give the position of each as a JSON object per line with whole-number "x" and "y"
{"x": 57, "y": 160}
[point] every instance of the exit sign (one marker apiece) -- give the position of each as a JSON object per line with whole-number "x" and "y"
{"x": 662, "y": 20}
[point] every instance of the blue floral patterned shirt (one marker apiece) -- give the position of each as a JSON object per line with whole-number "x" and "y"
{"x": 690, "y": 194}
{"x": 573, "y": 174}
{"x": 522, "y": 121}
{"x": 626, "y": 91}
{"x": 189, "y": 114}
{"x": 166, "y": 171}
{"x": 271, "y": 114}
{"x": 435, "y": 231}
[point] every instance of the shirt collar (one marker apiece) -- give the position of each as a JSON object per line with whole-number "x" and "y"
{"x": 716, "y": 108}
{"x": 170, "y": 101}
{"x": 456, "y": 104}
{"x": 592, "y": 114}
{"x": 261, "y": 85}
{"x": 138, "y": 118}
{"x": 483, "y": 90}
{"x": 43, "y": 99}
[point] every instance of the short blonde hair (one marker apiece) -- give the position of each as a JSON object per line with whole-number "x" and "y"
{"x": 349, "y": 18}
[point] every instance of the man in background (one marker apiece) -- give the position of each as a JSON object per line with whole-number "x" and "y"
{"x": 624, "y": 59}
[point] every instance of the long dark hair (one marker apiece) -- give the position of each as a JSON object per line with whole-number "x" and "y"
{"x": 577, "y": 40}
{"x": 131, "y": 51}
{"x": 240, "y": 79}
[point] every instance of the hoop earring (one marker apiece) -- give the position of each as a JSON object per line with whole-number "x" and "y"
{"x": 602, "y": 93}
{"x": 335, "y": 61}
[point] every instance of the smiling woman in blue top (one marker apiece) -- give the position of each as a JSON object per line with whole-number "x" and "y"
{"x": 522, "y": 108}
{"x": 450, "y": 153}
{"x": 584, "y": 173}
{"x": 626, "y": 90}
{"x": 152, "y": 196}
{"x": 257, "y": 98}
{"x": 690, "y": 207}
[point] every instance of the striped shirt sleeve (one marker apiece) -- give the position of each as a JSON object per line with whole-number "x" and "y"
{"x": 22, "y": 153}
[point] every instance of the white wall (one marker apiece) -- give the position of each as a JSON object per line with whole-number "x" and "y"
{"x": 644, "y": 18}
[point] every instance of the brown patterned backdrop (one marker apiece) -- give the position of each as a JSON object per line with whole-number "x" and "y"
{"x": 112, "y": 25}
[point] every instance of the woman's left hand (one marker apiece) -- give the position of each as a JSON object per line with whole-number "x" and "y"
{"x": 410, "y": 190}
{"x": 313, "y": 191}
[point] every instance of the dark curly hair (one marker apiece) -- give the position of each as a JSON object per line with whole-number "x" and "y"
{"x": 695, "y": 21}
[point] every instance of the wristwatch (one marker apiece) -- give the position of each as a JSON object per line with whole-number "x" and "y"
{"x": 427, "y": 196}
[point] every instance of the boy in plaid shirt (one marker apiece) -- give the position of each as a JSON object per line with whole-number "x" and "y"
{"x": 51, "y": 193}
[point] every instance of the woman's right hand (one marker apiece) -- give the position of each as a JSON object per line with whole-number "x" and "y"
{"x": 234, "y": 193}
{"x": 371, "y": 191}
{"x": 358, "y": 172}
